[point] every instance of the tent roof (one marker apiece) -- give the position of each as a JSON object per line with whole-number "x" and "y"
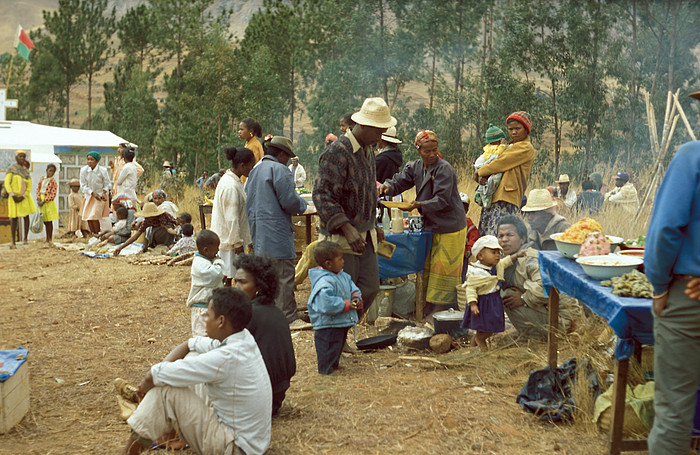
{"x": 27, "y": 134}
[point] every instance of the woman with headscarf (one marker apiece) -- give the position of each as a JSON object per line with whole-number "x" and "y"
{"x": 94, "y": 184}
{"x": 18, "y": 184}
{"x": 438, "y": 200}
{"x": 514, "y": 163}
{"x": 159, "y": 198}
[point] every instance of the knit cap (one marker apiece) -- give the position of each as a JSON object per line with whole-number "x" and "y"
{"x": 522, "y": 117}
{"x": 494, "y": 134}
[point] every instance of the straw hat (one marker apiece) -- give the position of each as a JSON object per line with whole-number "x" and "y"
{"x": 374, "y": 113}
{"x": 537, "y": 200}
{"x": 564, "y": 178}
{"x": 390, "y": 136}
{"x": 167, "y": 164}
{"x": 149, "y": 209}
{"x": 486, "y": 241}
{"x": 74, "y": 182}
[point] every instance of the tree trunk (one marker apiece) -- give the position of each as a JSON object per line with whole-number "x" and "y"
{"x": 672, "y": 53}
{"x": 291, "y": 106}
{"x": 432, "y": 80}
{"x": 633, "y": 86}
{"x": 89, "y": 100}
{"x": 557, "y": 128}
{"x": 382, "y": 62}
{"x": 67, "y": 103}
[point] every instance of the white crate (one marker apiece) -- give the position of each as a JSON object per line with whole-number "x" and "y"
{"x": 14, "y": 398}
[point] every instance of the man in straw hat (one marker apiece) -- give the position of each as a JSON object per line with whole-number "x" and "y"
{"x": 345, "y": 194}
{"x": 672, "y": 264}
{"x": 540, "y": 212}
{"x": 162, "y": 228}
{"x": 271, "y": 202}
{"x": 564, "y": 192}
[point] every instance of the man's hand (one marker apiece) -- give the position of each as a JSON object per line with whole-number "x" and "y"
{"x": 146, "y": 385}
{"x": 353, "y": 237}
{"x": 692, "y": 289}
{"x": 380, "y": 235}
{"x": 382, "y": 189}
{"x": 659, "y": 304}
{"x": 513, "y": 300}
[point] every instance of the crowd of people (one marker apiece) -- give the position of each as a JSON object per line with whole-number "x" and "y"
{"x": 242, "y": 291}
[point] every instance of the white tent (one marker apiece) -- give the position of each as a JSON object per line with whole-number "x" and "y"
{"x": 64, "y": 147}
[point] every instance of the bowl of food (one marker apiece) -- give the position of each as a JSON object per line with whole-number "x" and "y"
{"x": 608, "y": 266}
{"x": 615, "y": 241}
{"x": 567, "y": 249}
{"x": 634, "y": 254}
{"x": 634, "y": 244}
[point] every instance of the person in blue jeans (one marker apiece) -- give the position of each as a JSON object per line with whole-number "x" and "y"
{"x": 333, "y": 304}
{"x": 672, "y": 265}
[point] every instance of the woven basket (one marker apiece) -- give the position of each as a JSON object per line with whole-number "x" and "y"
{"x": 461, "y": 297}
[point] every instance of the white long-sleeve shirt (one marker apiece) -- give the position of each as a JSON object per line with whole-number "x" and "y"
{"x": 237, "y": 382}
{"x": 299, "y": 175}
{"x": 228, "y": 214}
{"x": 94, "y": 180}
{"x": 206, "y": 275}
{"x": 126, "y": 182}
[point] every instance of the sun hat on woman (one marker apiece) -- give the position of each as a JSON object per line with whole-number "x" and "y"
{"x": 539, "y": 199}
{"x": 522, "y": 117}
{"x": 375, "y": 113}
{"x": 150, "y": 209}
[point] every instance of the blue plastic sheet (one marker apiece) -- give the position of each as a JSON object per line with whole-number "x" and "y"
{"x": 629, "y": 317}
{"x": 409, "y": 256}
{"x": 10, "y": 362}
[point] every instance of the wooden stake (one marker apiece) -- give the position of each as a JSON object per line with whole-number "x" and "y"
{"x": 685, "y": 119}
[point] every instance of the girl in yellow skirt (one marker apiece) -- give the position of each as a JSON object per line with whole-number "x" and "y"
{"x": 18, "y": 184}
{"x": 46, "y": 198}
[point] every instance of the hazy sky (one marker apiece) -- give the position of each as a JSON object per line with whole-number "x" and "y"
{"x": 25, "y": 12}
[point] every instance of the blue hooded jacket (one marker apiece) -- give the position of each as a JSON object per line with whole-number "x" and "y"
{"x": 329, "y": 302}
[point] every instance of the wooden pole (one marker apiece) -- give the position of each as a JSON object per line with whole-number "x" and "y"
{"x": 685, "y": 119}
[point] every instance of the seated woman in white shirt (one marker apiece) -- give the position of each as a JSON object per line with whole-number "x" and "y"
{"x": 159, "y": 198}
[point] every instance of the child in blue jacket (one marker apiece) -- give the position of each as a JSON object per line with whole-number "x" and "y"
{"x": 332, "y": 304}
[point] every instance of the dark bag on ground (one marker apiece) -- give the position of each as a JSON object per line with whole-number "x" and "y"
{"x": 548, "y": 392}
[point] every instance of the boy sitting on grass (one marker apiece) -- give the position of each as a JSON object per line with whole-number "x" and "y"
{"x": 333, "y": 304}
{"x": 207, "y": 274}
{"x": 120, "y": 232}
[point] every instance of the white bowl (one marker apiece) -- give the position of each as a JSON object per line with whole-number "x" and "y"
{"x": 607, "y": 266}
{"x": 567, "y": 249}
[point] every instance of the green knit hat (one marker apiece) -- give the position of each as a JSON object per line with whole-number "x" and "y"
{"x": 494, "y": 134}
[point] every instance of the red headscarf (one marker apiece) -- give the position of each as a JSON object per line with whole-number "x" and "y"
{"x": 424, "y": 136}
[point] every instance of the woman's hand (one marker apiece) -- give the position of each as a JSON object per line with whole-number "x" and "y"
{"x": 117, "y": 251}
{"x": 40, "y": 202}
{"x": 415, "y": 205}
{"x": 382, "y": 189}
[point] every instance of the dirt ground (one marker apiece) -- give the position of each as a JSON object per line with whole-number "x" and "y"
{"x": 87, "y": 321}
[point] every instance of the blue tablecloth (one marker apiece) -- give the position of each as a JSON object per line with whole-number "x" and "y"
{"x": 9, "y": 363}
{"x": 629, "y": 317}
{"x": 409, "y": 256}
